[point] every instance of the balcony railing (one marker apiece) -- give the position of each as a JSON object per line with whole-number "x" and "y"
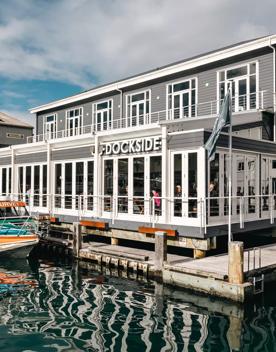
{"x": 240, "y": 103}
{"x": 191, "y": 211}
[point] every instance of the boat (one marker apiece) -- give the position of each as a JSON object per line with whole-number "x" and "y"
{"x": 18, "y": 233}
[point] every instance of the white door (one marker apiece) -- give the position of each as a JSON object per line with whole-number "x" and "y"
{"x": 181, "y": 105}
{"x": 137, "y": 113}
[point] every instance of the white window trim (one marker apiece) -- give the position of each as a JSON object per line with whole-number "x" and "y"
{"x": 67, "y": 118}
{"x": 127, "y": 111}
{"x": 95, "y": 110}
{"x": 225, "y": 69}
{"x": 45, "y": 122}
{"x": 182, "y": 80}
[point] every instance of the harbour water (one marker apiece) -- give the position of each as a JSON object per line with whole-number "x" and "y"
{"x": 65, "y": 306}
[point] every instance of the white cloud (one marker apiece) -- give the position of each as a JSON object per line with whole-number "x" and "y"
{"x": 84, "y": 42}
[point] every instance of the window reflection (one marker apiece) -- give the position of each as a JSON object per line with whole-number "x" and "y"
{"x": 138, "y": 186}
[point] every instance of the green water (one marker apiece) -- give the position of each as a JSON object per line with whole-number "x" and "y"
{"x": 72, "y": 308}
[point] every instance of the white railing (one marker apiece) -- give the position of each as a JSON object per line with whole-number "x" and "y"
{"x": 248, "y": 102}
{"x": 192, "y": 211}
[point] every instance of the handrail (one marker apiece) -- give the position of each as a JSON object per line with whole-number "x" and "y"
{"x": 240, "y": 103}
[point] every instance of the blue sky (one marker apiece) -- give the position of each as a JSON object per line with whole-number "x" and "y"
{"x": 51, "y": 49}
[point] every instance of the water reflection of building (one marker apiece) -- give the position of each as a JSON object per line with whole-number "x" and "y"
{"x": 91, "y": 317}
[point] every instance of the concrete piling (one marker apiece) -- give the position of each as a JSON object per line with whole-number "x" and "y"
{"x": 160, "y": 252}
{"x": 235, "y": 262}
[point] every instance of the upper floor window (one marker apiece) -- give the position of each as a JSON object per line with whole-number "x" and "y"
{"x": 138, "y": 108}
{"x": 182, "y": 99}
{"x": 50, "y": 126}
{"x": 74, "y": 121}
{"x": 244, "y": 83}
{"x": 102, "y": 115}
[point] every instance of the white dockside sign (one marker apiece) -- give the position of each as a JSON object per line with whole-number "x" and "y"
{"x": 138, "y": 145}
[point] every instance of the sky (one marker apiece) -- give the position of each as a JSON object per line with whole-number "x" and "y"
{"x": 50, "y": 49}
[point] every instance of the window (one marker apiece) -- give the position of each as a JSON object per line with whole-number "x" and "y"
{"x": 50, "y": 126}
{"x": 123, "y": 185}
{"x": 156, "y": 182}
{"x": 68, "y": 185}
{"x": 58, "y": 171}
{"x": 108, "y": 184}
{"x": 79, "y": 184}
{"x": 74, "y": 121}
{"x": 102, "y": 115}
{"x": 138, "y": 185}
{"x": 182, "y": 99}
{"x": 244, "y": 86}
{"x": 138, "y": 108}
{"x": 36, "y": 185}
{"x": 90, "y": 184}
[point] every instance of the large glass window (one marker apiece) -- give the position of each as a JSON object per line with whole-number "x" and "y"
{"x": 156, "y": 182}
{"x": 4, "y": 181}
{"x": 50, "y": 126}
{"x": 36, "y": 185}
{"x": 138, "y": 108}
{"x": 58, "y": 185}
{"x": 265, "y": 184}
{"x": 182, "y": 99}
{"x": 214, "y": 186}
{"x": 79, "y": 184}
{"x": 251, "y": 171}
{"x": 192, "y": 185}
{"x": 240, "y": 164}
{"x": 122, "y": 185}
{"x": 244, "y": 86}
{"x": 102, "y": 114}
{"x": 74, "y": 121}
{"x": 138, "y": 186}
{"x": 20, "y": 180}
{"x": 68, "y": 185}
{"x": 90, "y": 184}
{"x": 44, "y": 185}
{"x": 108, "y": 184}
{"x": 28, "y": 185}
{"x": 177, "y": 185}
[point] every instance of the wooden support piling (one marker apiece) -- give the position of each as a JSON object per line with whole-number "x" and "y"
{"x": 77, "y": 239}
{"x": 160, "y": 252}
{"x": 235, "y": 262}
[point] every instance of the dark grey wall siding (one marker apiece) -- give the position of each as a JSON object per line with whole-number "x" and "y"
{"x": 245, "y": 144}
{"x": 5, "y": 160}
{"x": 31, "y": 158}
{"x": 181, "y": 141}
{"x": 12, "y": 129}
{"x": 67, "y": 154}
{"x": 207, "y": 88}
{"x": 87, "y": 112}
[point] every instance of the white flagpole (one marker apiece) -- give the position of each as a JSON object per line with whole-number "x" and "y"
{"x": 230, "y": 171}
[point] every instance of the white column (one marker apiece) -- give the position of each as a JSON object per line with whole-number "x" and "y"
{"x": 96, "y": 185}
{"x": 50, "y": 190}
{"x": 165, "y": 170}
{"x": 13, "y": 182}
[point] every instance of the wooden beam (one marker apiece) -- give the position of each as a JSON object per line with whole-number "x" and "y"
{"x": 96, "y": 224}
{"x": 152, "y": 230}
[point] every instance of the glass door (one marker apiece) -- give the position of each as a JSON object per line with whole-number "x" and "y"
{"x": 50, "y": 127}
{"x": 240, "y": 98}
{"x": 137, "y": 112}
{"x": 73, "y": 126}
{"x": 181, "y": 104}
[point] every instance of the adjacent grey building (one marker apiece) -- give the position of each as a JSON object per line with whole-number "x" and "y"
{"x": 13, "y": 131}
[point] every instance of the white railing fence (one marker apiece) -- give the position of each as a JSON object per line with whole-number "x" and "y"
{"x": 192, "y": 211}
{"x": 240, "y": 103}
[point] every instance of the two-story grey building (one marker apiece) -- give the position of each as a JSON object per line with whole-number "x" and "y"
{"x": 131, "y": 153}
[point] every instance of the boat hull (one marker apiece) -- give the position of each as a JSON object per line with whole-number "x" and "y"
{"x": 18, "y": 249}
